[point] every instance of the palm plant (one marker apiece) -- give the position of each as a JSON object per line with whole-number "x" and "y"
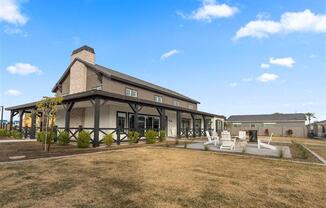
{"x": 309, "y": 116}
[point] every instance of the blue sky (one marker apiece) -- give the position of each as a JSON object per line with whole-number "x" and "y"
{"x": 236, "y": 57}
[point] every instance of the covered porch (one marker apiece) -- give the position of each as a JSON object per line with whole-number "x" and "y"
{"x": 102, "y": 113}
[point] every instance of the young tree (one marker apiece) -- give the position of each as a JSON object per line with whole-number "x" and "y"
{"x": 48, "y": 107}
{"x": 309, "y": 116}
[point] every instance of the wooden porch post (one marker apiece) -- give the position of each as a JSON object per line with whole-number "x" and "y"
{"x": 193, "y": 125}
{"x": 161, "y": 111}
{"x": 205, "y": 127}
{"x": 21, "y": 115}
{"x": 11, "y": 119}
{"x": 33, "y": 125}
{"x": 178, "y": 124}
{"x": 68, "y": 108}
{"x": 97, "y": 109}
{"x": 136, "y": 108}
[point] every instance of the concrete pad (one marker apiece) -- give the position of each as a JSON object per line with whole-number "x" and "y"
{"x": 249, "y": 149}
{"x": 17, "y": 157}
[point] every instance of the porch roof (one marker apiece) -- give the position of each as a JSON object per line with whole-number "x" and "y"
{"x": 88, "y": 95}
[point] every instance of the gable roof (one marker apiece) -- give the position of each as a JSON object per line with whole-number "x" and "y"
{"x": 268, "y": 117}
{"x": 121, "y": 77}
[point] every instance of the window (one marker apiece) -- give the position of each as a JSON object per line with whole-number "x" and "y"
{"x": 176, "y": 103}
{"x": 191, "y": 107}
{"x": 218, "y": 125}
{"x": 99, "y": 87}
{"x": 253, "y": 125}
{"x": 121, "y": 120}
{"x": 158, "y": 99}
{"x": 237, "y": 125}
{"x": 131, "y": 92}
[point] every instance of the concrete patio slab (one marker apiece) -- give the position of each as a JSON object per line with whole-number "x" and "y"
{"x": 248, "y": 149}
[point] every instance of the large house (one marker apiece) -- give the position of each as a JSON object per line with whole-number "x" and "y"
{"x": 265, "y": 124}
{"x": 103, "y": 101}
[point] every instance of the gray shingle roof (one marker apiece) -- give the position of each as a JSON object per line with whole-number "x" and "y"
{"x": 112, "y": 72}
{"x": 268, "y": 117}
{"x": 131, "y": 80}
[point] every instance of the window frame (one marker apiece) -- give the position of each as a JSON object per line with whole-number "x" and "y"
{"x": 158, "y": 96}
{"x": 176, "y": 103}
{"x": 131, "y": 92}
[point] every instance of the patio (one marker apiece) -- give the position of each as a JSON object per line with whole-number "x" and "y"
{"x": 250, "y": 148}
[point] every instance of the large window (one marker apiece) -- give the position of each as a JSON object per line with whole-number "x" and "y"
{"x": 121, "y": 120}
{"x": 131, "y": 92}
{"x": 218, "y": 125}
{"x": 145, "y": 122}
{"x": 158, "y": 99}
{"x": 197, "y": 123}
{"x": 208, "y": 123}
{"x": 176, "y": 103}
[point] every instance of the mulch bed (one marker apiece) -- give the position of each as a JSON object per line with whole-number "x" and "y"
{"x": 34, "y": 150}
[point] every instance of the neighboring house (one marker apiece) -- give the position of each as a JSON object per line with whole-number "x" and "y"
{"x": 319, "y": 128}
{"x": 265, "y": 124}
{"x": 103, "y": 100}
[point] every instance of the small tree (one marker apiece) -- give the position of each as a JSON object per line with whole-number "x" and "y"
{"x": 48, "y": 107}
{"x": 309, "y": 116}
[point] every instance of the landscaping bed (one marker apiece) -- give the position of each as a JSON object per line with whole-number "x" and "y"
{"x": 320, "y": 150}
{"x": 298, "y": 152}
{"x": 32, "y": 150}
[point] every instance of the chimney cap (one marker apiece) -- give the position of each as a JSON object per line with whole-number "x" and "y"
{"x": 85, "y": 47}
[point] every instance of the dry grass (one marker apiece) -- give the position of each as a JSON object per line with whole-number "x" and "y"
{"x": 161, "y": 177}
{"x": 320, "y": 150}
{"x": 302, "y": 140}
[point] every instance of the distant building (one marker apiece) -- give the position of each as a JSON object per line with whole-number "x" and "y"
{"x": 319, "y": 128}
{"x": 265, "y": 124}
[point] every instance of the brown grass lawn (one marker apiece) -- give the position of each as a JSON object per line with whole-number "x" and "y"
{"x": 320, "y": 150}
{"x": 161, "y": 177}
{"x": 302, "y": 140}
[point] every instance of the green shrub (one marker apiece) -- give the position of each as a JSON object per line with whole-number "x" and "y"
{"x": 17, "y": 134}
{"x": 3, "y": 133}
{"x": 108, "y": 139}
{"x": 40, "y": 136}
{"x": 151, "y": 136}
{"x": 83, "y": 139}
{"x": 133, "y": 137}
{"x": 161, "y": 137}
{"x": 63, "y": 138}
{"x": 8, "y": 133}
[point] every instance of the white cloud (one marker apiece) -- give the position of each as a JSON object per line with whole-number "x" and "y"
{"x": 23, "y": 69}
{"x": 266, "y": 77}
{"x": 10, "y": 13}
{"x": 287, "y": 61}
{"x": 211, "y": 10}
{"x": 305, "y": 21}
{"x": 169, "y": 54}
{"x": 13, "y": 92}
{"x": 233, "y": 84}
{"x": 264, "y": 66}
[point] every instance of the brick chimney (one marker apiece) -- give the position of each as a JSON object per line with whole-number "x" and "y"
{"x": 78, "y": 71}
{"x": 84, "y": 53}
